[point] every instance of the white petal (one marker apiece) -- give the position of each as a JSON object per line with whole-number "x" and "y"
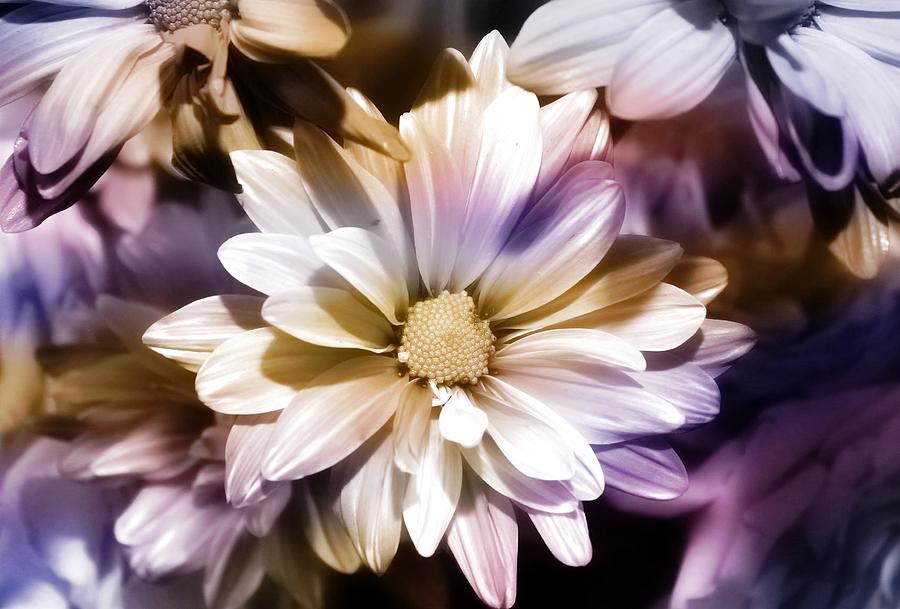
{"x": 559, "y": 241}
{"x": 658, "y": 320}
{"x": 332, "y": 416}
{"x": 437, "y": 203}
{"x": 432, "y": 492}
{"x": 686, "y": 386}
{"x": 371, "y": 501}
{"x": 648, "y": 469}
{"x": 38, "y": 39}
{"x": 570, "y": 344}
{"x": 532, "y": 445}
{"x": 484, "y": 539}
{"x": 370, "y": 264}
{"x": 273, "y": 195}
{"x": 494, "y": 468}
{"x": 603, "y": 404}
{"x": 260, "y": 371}
{"x": 566, "y": 45}
{"x": 875, "y": 34}
{"x": 720, "y": 342}
{"x": 411, "y": 424}
{"x": 672, "y": 62}
{"x": 633, "y": 265}
{"x": 62, "y": 122}
{"x": 461, "y": 421}
{"x": 273, "y": 30}
{"x": 509, "y": 159}
{"x": 488, "y": 63}
{"x": 560, "y": 122}
{"x": 566, "y": 535}
{"x": 271, "y": 263}
{"x": 248, "y": 440}
{"x": 190, "y": 334}
{"x": 329, "y": 317}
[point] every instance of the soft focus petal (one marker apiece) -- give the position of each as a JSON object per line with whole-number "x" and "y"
{"x": 566, "y": 535}
{"x": 648, "y": 469}
{"x": 273, "y": 30}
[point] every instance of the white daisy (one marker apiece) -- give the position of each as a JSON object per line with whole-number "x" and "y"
{"x": 823, "y": 83}
{"x": 450, "y": 337}
{"x": 226, "y": 72}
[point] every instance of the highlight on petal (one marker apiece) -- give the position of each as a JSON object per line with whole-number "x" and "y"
{"x": 462, "y": 421}
{"x": 566, "y": 535}
{"x": 649, "y": 468}
{"x": 273, "y": 30}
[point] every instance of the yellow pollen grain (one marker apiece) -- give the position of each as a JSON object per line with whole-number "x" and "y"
{"x": 445, "y": 341}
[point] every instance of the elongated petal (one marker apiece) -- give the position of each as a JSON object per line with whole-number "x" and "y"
{"x": 484, "y": 539}
{"x": 672, "y": 62}
{"x": 371, "y": 501}
{"x": 647, "y": 469}
{"x": 571, "y": 344}
{"x": 332, "y": 416}
{"x": 324, "y": 530}
{"x": 63, "y": 121}
{"x": 566, "y": 535}
{"x": 245, "y": 447}
{"x": 260, "y": 371}
{"x": 864, "y": 243}
{"x": 658, "y": 320}
{"x": 236, "y": 570}
{"x": 462, "y": 421}
{"x": 329, "y": 317}
{"x": 273, "y": 195}
{"x": 558, "y": 133}
{"x": 506, "y": 170}
{"x": 437, "y": 203}
{"x": 686, "y": 386}
{"x": 702, "y": 278}
{"x": 720, "y": 342}
{"x": 370, "y": 264}
{"x": 411, "y": 425}
{"x": 274, "y": 30}
{"x": 561, "y": 239}
{"x": 189, "y": 335}
{"x": 38, "y": 39}
{"x": 566, "y": 45}
{"x": 433, "y": 491}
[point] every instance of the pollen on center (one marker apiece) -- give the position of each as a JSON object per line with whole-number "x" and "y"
{"x": 172, "y": 15}
{"x": 445, "y": 341}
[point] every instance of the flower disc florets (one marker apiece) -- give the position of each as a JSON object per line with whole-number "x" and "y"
{"x": 445, "y": 341}
{"x": 172, "y": 15}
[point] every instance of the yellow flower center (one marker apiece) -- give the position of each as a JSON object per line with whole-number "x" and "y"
{"x": 445, "y": 341}
{"x": 172, "y": 15}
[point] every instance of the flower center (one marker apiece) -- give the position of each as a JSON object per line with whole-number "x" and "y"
{"x": 172, "y": 15}
{"x": 445, "y": 341}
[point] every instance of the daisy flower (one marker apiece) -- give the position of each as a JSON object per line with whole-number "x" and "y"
{"x": 822, "y": 77}
{"x": 225, "y": 71}
{"x": 139, "y": 427}
{"x": 449, "y": 338}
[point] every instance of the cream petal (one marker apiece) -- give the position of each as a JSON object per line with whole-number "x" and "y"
{"x": 559, "y": 241}
{"x": 488, "y": 64}
{"x": 484, "y": 538}
{"x": 189, "y": 335}
{"x": 594, "y": 141}
{"x": 343, "y": 193}
{"x": 566, "y": 535}
{"x": 387, "y": 170}
{"x": 272, "y": 193}
{"x": 260, "y": 371}
{"x": 411, "y": 425}
{"x": 63, "y": 120}
{"x": 324, "y": 530}
{"x": 370, "y": 264}
{"x": 235, "y": 570}
{"x": 272, "y": 264}
{"x": 702, "y": 278}
{"x": 276, "y": 30}
{"x": 489, "y": 462}
{"x": 559, "y": 120}
{"x": 506, "y": 169}
{"x": 329, "y": 317}
{"x": 450, "y": 109}
{"x": 437, "y": 203}
{"x": 570, "y": 344}
{"x": 657, "y": 320}
{"x": 864, "y": 243}
{"x": 39, "y": 39}
{"x": 566, "y": 45}
{"x": 433, "y": 491}
{"x": 332, "y": 416}
{"x": 649, "y": 468}
{"x": 461, "y": 421}
{"x": 672, "y": 62}
{"x": 532, "y": 446}
{"x": 720, "y": 342}
{"x": 605, "y": 405}
{"x": 371, "y": 501}
{"x": 245, "y": 447}
{"x": 633, "y": 265}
